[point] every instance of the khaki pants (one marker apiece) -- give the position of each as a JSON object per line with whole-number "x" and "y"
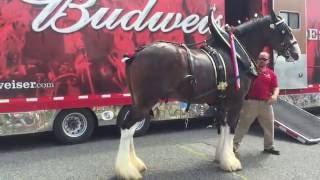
{"x": 251, "y": 110}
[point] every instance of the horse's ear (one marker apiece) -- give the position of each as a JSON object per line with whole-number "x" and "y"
{"x": 274, "y": 16}
{"x": 210, "y": 20}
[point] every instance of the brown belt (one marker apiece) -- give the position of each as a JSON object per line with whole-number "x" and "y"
{"x": 256, "y": 99}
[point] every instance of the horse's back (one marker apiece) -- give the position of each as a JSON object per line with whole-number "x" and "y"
{"x": 156, "y": 71}
{"x": 159, "y": 60}
{"x": 161, "y": 70}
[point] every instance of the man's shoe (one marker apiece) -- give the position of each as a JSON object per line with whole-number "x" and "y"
{"x": 271, "y": 151}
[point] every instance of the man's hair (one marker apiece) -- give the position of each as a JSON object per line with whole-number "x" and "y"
{"x": 264, "y": 54}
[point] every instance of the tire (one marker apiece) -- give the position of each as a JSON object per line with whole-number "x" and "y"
{"x": 143, "y": 124}
{"x": 74, "y": 126}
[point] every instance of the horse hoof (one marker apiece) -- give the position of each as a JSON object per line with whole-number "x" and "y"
{"x": 141, "y": 167}
{"x": 231, "y": 168}
{"x": 130, "y": 172}
{"x": 139, "y": 164}
{"x": 131, "y": 176}
{"x": 231, "y": 165}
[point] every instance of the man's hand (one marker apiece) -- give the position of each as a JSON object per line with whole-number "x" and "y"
{"x": 274, "y": 96}
{"x": 273, "y": 99}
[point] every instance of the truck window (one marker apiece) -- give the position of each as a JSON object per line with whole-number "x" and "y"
{"x": 291, "y": 18}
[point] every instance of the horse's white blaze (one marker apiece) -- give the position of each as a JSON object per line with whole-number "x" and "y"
{"x": 228, "y": 160}
{"x": 296, "y": 47}
{"x": 124, "y": 167}
{"x": 135, "y": 160}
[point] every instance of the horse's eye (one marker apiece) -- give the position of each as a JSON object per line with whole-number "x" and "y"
{"x": 291, "y": 36}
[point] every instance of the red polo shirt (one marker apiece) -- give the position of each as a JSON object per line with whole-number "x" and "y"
{"x": 263, "y": 86}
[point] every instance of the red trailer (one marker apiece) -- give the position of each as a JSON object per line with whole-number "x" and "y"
{"x": 61, "y": 68}
{"x": 300, "y": 83}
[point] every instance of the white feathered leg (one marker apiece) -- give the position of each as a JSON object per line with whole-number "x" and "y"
{"x": 219, "y": 147}
{"x": 136, "y": 161}
{"x": 124, "y": 167}
{"x": 228, "y": 160}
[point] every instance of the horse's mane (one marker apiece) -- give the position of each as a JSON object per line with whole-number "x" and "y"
{"x": 252, "y": 25}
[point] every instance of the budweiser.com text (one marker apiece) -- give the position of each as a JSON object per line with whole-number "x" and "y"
{"x": 24, "y": 85}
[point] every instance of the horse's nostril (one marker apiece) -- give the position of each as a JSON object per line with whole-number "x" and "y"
{"x": 295, "y": 56}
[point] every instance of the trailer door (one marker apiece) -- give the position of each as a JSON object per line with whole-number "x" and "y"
{"x": 292, "y": 75}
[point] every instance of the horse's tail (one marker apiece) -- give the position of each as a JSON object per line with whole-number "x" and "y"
{"x": 129, "y": 57}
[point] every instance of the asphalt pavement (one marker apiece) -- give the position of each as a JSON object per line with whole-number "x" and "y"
{"x": 170, "y": 152}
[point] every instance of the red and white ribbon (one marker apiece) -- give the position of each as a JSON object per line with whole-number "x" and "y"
{"x": 234, "y": 61}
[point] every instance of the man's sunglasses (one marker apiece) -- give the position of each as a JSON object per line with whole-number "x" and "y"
{"x": 263, "y": 59}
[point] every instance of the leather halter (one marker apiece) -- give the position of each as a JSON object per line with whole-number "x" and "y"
{"x": 285, "y": 47}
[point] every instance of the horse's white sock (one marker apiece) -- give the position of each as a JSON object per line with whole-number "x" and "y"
{"x": 220, "y": 145}
{"x": 136, "y": 161}
{"x": 228, "y": 160}
{"x": 124, "y": 167}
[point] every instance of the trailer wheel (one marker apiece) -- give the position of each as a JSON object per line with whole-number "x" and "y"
{"x": 143, "y": 126}
{"x": 74, "y": 126}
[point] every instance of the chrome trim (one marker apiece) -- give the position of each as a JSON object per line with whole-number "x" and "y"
{"x": 26, "y": 122}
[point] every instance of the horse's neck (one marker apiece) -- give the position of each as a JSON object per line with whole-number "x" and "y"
{"x": 252, "y": 46}
{"x": 254, "y": 39}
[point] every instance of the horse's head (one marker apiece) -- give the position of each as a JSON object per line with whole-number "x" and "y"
{"x": 282, "y": 39}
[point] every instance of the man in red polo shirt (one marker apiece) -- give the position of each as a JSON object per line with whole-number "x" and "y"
{"x": 263, "y": 93}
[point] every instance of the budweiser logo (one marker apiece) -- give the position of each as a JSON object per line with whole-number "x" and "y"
{"x": 138, "y": 20}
